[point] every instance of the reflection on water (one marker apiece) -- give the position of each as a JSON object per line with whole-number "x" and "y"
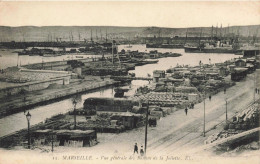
{"x": 17, "y": 121}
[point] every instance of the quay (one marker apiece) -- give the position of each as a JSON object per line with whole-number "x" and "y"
{"x": 18, "y": 102}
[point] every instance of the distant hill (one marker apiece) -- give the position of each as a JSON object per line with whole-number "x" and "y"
{"x": 66, "y": 33}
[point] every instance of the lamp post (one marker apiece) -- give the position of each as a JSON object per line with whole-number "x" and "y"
{"x": 204, "y": 119}
{"x": 52, "y": 139}
{"x": 255, "y": 89}
{"x": 146, "y": 123}
{"x": 28, "y": 117}
{"x": 204, "y": 125}
{"x": 226, "y": 109}
{"x": 74, "y": 103}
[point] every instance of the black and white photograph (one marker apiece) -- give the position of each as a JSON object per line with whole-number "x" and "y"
{"x": 129, "y": 82}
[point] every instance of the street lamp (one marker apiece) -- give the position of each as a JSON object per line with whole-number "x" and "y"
{"x": 74, "y": 103}
{"x": 146, "y": 123}
{"x": 255, "y": 86}
{"x": 226, "y": 110}
{"x": 28, "y": 117}
{"x": 204, "y": 125}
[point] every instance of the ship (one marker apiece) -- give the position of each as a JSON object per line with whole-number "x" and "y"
{"x": 32, "y": 52}
{"x": 175, "y": 46}
{"x": 191, "y": 49}
{"x": 217, "y": 44}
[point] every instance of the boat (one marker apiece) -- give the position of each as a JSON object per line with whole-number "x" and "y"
{"x": 31, "y": 52}
{"x": 79, "y": 56}
{"x": 151, "y": 61}
{"x": 191, "y": 49}
{"x": 170, "y": 54}
{"x": 217, "y": 44}
{"x": 175, "y": 46}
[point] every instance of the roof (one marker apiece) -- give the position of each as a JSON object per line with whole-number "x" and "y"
{"x": 158, "y": 71}
{"x": 72, "y": 132}
{"x": 106, "y": 99}
{"x": 250, "y": 59}
{"x": 237, "y": 60}
{"x": 180, "y": 68}
{"x": 249, "y": 65}
{"x": 193, "y": 94}
{"x": 43, "y": 131}
{"x": 240, "y": 69}
{"x": 222, "y": 68}
{"x": 185, "y": 87}
{"x": 123, "y": 114}
{"x": 212, "y": 73}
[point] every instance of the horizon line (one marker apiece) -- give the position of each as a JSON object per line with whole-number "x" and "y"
{"x": 126, "y": 26}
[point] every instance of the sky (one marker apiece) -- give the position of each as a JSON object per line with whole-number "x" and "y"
{"x": 137, "y": 14}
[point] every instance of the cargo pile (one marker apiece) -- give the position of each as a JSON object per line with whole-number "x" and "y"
{"x": 245, "y": 120}
{"x": 164, "y": 99}
{"x": 242, "y": 121}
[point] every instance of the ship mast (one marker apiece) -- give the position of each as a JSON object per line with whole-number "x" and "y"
{"x": 106, "y": 35}
{"x": 71, "y": 36}
{"x": 186, "y": 36}
{"x": 221, "y": 32}
{"x": 100, "y": 34}
{"x": 79, "y": 36}
{"x": 254, "y": 36}
{"x": 96, "y": 35}
{"x": 200, "y": 35}
{"x": 217, "y": 31}
{"x": 225, "y": 33}
{"x": 118, "y": 58}
{"x": 248, "y": 36}
{"x": 212, "y": 33}
{"x": 91, "y": 36}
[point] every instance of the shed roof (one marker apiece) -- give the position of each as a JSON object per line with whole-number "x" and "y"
{"x": 73, "y": 132}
